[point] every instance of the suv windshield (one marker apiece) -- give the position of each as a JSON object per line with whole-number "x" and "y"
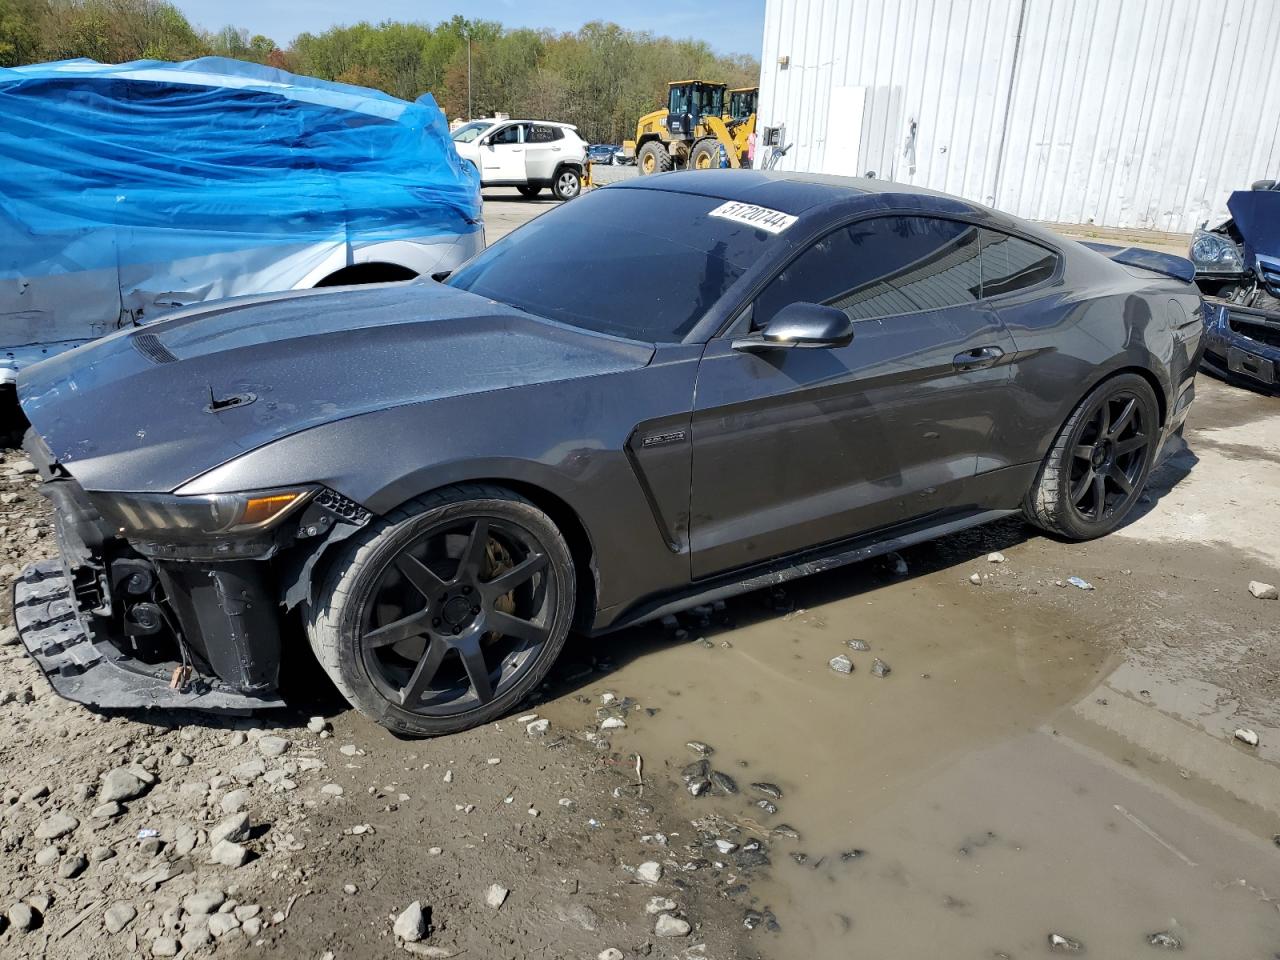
{"x": 635, "y": 263}
{"x": 469, "y": 131}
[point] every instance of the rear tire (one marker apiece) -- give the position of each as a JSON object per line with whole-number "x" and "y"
{"x": 654, "y": 158}
{"x": 1099, "y": 462}
{"x": 529, "y": 192}
{"x": 446, "y": 613}
{"x": 568, "y": 183}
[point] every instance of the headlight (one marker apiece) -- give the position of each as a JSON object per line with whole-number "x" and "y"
{"x": 169, "y": 518}
{"x": 1214, "y": 253}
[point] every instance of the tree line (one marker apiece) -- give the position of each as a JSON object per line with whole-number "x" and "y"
{"x": 601, "y": 77}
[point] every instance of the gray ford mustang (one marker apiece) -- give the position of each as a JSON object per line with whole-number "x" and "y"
{"x": 755, "y": 376}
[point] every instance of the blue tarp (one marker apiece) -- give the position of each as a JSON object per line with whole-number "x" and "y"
{"x": 106, "y": 165}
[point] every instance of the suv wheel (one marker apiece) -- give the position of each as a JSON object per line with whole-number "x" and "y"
{"x": 568, "y": 184}
{"x": 1099, "y": 462}
{"x": 529, "y": 192}
{"x": 447, "y": 613}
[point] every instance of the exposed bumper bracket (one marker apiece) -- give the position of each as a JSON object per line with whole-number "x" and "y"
{"x": 94, "y": 672}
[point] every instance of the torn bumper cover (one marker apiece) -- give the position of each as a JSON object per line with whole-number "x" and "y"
{"x": 1243, "y": 342}
{"x": 118, "y": 622}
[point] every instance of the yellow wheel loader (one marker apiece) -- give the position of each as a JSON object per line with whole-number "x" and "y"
{"x": 696, "y": 131}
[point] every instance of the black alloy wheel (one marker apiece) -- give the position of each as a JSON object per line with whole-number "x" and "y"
{"x": 1109, "y": 456}
{"x": 448, "y": 612}
{"x": 1099, "y": 462}
{"x": 457, "y": 615}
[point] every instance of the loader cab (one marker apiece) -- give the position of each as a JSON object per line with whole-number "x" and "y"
{"x": 688, "y": 101}
{"x": 742, "y": 103}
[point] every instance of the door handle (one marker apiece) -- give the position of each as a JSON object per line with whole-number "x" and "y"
{"x": 977, "y": 358}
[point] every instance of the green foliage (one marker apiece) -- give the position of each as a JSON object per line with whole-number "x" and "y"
{"x": 602, "y": 77}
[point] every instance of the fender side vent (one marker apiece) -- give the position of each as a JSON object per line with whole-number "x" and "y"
{"x": 149, "y": 345}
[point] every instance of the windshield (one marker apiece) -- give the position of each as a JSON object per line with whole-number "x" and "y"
{"x": 469, "y": 131}
{"x": 634, "y": 263}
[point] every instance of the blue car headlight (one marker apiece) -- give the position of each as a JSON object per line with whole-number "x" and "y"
{"x": 1214, "y": 253}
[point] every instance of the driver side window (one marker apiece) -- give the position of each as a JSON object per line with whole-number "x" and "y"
{"x": 884, "y": 267}
{"x": 511, "y": 134}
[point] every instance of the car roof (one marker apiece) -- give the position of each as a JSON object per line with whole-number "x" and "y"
{"x": 787, "y": 191}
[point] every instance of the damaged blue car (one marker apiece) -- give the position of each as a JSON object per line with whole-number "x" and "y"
{"x": 130, "y": 190}
{"x": 1238, "y": 271}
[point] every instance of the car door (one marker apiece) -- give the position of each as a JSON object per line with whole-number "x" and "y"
{"x": 502, "y": 156}
{"x": 543, "y": 151}
{"x": 799, "y": 447}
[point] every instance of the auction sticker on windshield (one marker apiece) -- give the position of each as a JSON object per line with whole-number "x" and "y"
{"x": 774, "y": 221}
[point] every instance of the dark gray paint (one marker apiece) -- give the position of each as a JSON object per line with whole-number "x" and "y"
{"x": 383, "y": 394}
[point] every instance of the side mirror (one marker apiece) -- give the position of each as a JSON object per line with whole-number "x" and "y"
{"x": 810, "y": 325}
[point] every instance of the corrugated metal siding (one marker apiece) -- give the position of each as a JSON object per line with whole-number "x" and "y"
{"x": 1121, "y": 113}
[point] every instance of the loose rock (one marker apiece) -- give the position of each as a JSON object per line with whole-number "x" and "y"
{"x": 609, "y": 953}
{"x": 234, "y": 801}
{"x": 841, "y": 664}
{"x": 121, "y": 784}
{"x": 768, "y": 789}
{"x": 879, "y": 668}
{"x": 411, "y": 925}
{"x": 229, "y": 854}
{"x": 700, "y": 748}
{"x": 669, "y": 926}
{"x": 723, "y": 782}
{"x": 649, "y": 871}
{"x": 1247, "y": 736}
{"x": 204, "y": 902}
{"x": 58, "y": 825}
{"x": 21, "y": 917}
{"x": 1263, "y": 591}
{"x": 1060, "y": 944}
{"x": 658, "y": 905}
{"x": 273, "y": 746}
{"x": 72, "y": 866}
{"x": 164, "y": 947}
{"x": 496, "y": 895}
{"x": 1164, "y": 941}
{"x": 234, "y": 827}
{"x": 859, "y": 645}
{"x": 118, "y": 916}
{"x": 317, "y": 724}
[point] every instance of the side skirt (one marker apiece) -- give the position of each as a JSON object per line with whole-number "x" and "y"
{"x": 790, "y": 568}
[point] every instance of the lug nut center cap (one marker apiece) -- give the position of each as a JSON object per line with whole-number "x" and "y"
{"x": 457, "y": 612}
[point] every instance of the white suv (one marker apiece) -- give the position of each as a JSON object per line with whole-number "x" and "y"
{"x": 525, "y": 154}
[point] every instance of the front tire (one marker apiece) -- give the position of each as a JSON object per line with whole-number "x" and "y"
{"x": 705, "y": 155}
{"x": 529, "y": 192}
{"x": 447, "y": 613}
{"x": 1099, "y": 462}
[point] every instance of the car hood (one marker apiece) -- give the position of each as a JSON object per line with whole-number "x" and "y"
{"x": 1257, "y": 217}
{"x": 149, "y": 408}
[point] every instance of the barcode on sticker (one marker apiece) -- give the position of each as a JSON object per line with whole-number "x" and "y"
{"x": 774, "y": 221}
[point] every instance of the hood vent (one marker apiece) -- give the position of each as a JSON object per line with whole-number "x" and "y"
{"x": 149, "y": 345}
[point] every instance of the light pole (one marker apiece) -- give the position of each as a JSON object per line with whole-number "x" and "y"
{"x": 470, "y": 114}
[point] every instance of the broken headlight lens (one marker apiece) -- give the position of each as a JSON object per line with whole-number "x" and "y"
{"x": 1214, "y": 253}
{"x": 166, "y": 517}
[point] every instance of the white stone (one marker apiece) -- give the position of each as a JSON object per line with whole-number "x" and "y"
{"x": 1263, "y": 591}
{"x": 537, "y": 728}
{"x": 496, "y": 895}
{"x": 203, "y": 902}
{"x": 996, "y": 557}
{"x": 650, "y": 871}
{"x": 121, "y": 784}
{"x": 234, "y": 828}
{"x": 1245, "y": 735}
{"x": 220, "y": 924}
{"x": 272, "y": 746}
{"x": 975, "y": 579}
{"x": 669, "y": 926}
{"x": 609, "y": 953}
{"x": 234, "y": 801}
{"x": 841, "y": 664}
{"x": 58, "y": 825}
{"x": 331, "y": 790}
{"x": 317, "y": 724}
{"x": 411, "y": 925}
{"x": 613, "y": 723}
{"x": 658, "y": 905}
{"x": 118, "y": 916}
{"x": 229, "y": 854}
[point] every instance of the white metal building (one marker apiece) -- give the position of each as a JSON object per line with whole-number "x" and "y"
{"x": 1120, "y": 113}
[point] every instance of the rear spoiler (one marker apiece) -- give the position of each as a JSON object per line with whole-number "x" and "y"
{"x": 1179, "y": 268}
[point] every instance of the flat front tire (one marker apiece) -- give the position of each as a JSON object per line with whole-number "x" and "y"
{"x": 446, "y": 613}
{"x": 1099, "y": 462}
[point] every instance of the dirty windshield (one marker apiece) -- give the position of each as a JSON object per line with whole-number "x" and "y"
{"x": 661, "y": 263}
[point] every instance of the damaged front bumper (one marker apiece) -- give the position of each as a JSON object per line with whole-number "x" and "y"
{"x": 123, "y": 623}
{"x": 1243, "y": 343}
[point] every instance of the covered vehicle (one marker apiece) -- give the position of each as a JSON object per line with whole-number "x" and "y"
{"x": 759, "y": 375}
{"x": 1238, "y": 267}
{"x": 129, "y": 190}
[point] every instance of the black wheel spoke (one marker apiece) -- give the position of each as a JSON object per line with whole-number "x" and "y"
{"x": 1130, "y": 445}
{"x": 1081, "y": 488}
{"x": 423, "y": 673}
{"x": 509, "y": 626}
{"x": 472, "y": 558}
{"x": 1083, "y": 451}
{"x": 1118, "y": 477}
{"x": 411, "y": 626}
{"x": 472, "y": 654}
{"x": 1122, "y": 421}
{"x": 1099, "y": 494}
{"x": 418, "y": 574}
{"x": 1104, "y": 419}
{"x": 521, "y": 572}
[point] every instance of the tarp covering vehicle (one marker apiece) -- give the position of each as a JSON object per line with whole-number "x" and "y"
{"x": 1238, "y": 267}
{"x": 127, "y": 190}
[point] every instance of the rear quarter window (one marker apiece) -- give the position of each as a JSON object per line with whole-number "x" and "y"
{"x": 1010, "y": 264}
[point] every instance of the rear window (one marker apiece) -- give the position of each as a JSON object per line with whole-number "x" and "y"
{"x": 634, "y": 263}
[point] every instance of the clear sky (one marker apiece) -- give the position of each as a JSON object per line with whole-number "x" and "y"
{"x": 729, "y": 26}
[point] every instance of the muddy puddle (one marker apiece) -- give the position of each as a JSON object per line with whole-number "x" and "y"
{"x": 1012, "y": 777}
